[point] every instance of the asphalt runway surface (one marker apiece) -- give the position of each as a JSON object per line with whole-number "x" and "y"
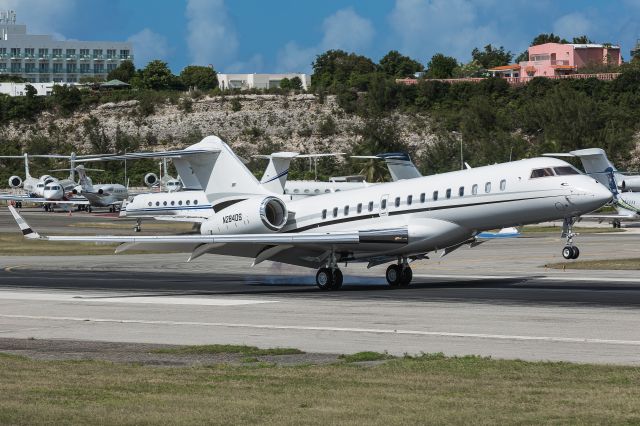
{"x": 496, "y": 300}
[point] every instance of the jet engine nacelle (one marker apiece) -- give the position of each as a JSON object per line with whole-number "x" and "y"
{"x": 151, "y": 179}
{"x": 15, "y": 182}
{"x": 254, "y": 216}
{"x": 630, "y": 184}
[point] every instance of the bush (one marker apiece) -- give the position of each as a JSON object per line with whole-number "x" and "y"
{"x": 236, "y": 105}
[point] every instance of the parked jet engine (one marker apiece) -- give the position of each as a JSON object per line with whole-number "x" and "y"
{"x": 630, "y": 184}
{"x": 255, "y": 215}
{"x": 151, "y": 179}
{"x": 15, "y": 182}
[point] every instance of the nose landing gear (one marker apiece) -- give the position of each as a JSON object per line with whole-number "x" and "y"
{"x": 569, "y": 251}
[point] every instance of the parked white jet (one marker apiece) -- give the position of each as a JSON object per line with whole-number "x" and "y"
{"x": 596, "y": 164}
{"x": 391, "y": 222}
{"x": 109, "y": 195}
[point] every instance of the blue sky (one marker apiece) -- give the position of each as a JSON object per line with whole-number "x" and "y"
{"x": 285, "y": 35}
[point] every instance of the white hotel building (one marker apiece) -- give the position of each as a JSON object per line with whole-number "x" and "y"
{"x": 41, "y": 59}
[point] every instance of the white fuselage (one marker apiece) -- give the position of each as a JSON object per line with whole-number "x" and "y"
{"x": 106, "y": 195}
{"x": 188, "y": 204}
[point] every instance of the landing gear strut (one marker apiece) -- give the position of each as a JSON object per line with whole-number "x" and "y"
{"x": 138, "y": 226}
{"x": 399, "y": 275}
{"x": 330, "y": 277}
{"x": 616, "y": 223}
{"x": 569, "y": 251}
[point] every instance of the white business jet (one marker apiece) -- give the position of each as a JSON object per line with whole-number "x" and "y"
{"x": 109, "y": 195}
{"x": 391, "y": 222}
{"x": 625, "y": 200}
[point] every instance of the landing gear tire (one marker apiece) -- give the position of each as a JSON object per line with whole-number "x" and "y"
{"x": 394, "y": 275}
{"x": 570, "y": 252}
{"x": 407, "y": 276}
{"x": 616, "y": 224}
{"x": 337, "y": 279}
{"x": 324, "y": 279}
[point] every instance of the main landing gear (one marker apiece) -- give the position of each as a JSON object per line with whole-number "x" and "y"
{"x": 399, "y": 275}
{"x": 138, "y": 226}
{"x": 329, "y": 279}
{"x": 569, "y": 251}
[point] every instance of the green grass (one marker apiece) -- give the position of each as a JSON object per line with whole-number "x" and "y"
{"x": 630, "y": 264}
{"x": 227, "y": 349}
{"x": 365, "y": 356}
{"x": 424, "y": 389}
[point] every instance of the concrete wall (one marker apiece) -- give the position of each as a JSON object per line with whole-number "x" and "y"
{"x": 259, "y": 81}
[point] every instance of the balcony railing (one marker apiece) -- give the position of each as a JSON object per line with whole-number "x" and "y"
{"x": 559, "y": 62}
{"x": 126, "y": 57}
{"x": 71, "y": 57}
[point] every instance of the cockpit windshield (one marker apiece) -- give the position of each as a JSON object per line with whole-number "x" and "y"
{"x": 566, "y": 170}
{"x": 538, "y": 173}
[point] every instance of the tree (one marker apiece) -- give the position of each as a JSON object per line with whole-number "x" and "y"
{"x": 524, "y": 56}
{"x": 123, "y": 72}
{"x": 285, "y": 84}
{"x": 583, "y": 39}
{"x": 397, "y": 65}
{"x": 67, "y": 98}
{"x": 295, "y": 83}
{"x": 547, "y": 38}
{"x": 203, "y": 78}
{"x": 441, "y": 66}
{"x": 156, "y": 76}
{"x": 335, "y": 67}
{"x": 491, "y": 57}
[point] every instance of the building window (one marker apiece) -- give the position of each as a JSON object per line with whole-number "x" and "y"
{"x": 71, "y": 53}
{"x": 435, "y": 195}
{"x": 324, "y": 214}
{"x": 487, "y": 187}
{"x": 3, "y": 52}
{"x": 335, "y": 212}
{"x": 370, "y": 206}
{"x": 57, "y": 53}
{"x": 57, "y": 68}
{"x": 98, "y": 68}
{"x": 15, "y": 68}
{"x": 85, "y": 68}
{"x": 124, "y": 54}
{"x": 461, "y": 191}
{"x": 111, "y": 53}
{"x": 423, "y": 197}
{"x": 3, "y": 67}
{"x": 43, "y": 53}
{"x": 97, "y": 53}
{"x": 474, "y": 189}
{"x": 71, "y": 68}
{"x": 30, "y": 68}
{"x": 15, "y": 52}
{"x": 503, "y": 185}
{"x": 359, "y": 208}
{"x": 111, "y": 67}
{"x": 397, "y": 202}
{"x": 29, "y": 52}
{"x": 448, "y": 193}
{"x": 84, "y": 54}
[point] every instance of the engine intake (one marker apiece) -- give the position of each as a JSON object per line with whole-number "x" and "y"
{"x": 150, "y": 179}
{"x": 255, "y": 215}
{"x": 273, "y": 213}
{"x": 15, "y": 182}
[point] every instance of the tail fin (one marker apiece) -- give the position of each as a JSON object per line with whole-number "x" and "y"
{"x": 596, "y": 164}
{"x": 72, "y": 167}
{"x": 26, "y": 166}
{"x": 85, "y": 181}
{"x": 400, "y": 166}
{"x": 275, "y": 175}
{"x": 221, "y": 174}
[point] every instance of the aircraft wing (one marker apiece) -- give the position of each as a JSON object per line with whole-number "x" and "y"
{"x": 180, "y": 153}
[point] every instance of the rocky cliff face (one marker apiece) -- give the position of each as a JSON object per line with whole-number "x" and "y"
{"x": 258, "y": 123}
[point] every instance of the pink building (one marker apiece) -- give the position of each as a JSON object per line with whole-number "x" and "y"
{"x": 556, "y": 59}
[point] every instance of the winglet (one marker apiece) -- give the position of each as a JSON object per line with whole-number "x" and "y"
{"x": 27, "y": 232}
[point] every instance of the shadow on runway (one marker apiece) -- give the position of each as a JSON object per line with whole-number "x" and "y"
{"x": 526, "y": 290}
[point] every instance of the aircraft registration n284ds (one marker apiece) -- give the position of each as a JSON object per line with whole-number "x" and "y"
{"x": 395, "y": 222}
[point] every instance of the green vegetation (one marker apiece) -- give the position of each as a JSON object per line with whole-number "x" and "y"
{"x": 123, "y": 72}
{"x": 631, "y": 264}
{"x": 202, "y": 78}
{"x": 366, "y": 356}
{"x": 425, "y": 389}
{"x": 228, "y": 349}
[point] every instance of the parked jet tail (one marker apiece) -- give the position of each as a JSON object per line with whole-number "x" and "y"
{"x": 399, "y": 164}
{"x": 277, "y": 171}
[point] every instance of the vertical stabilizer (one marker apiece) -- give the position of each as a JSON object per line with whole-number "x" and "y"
{"x": 72, "y": 168}
{"x": 596, "y": 164}
{"x": 277, "y": 171}
{"x": 400, "y": 166}
{"x": 85, "y": 181}
{"x": 27, "y": 175}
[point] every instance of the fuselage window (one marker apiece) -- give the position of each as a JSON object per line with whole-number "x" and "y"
{"x": 370, "y": 206}
{"x": 324, "y": 213}
{"x": 173, "y": 203}
{"x": 409, "y": 200}
{"x": 423, "y": 197}
{"x": 538, "y": 173}
{"x": 335, "y": 212}
{"x": 448, "y": 193}
{"x": 157, "y": 203}
{"x": 565, "y": 170}
{"x": 164, "y": 203}
{"x": 359, "y": 208}
{"x": 180, "y": 202}
{"x": 461, "y": 191}
{"x": 474, "y": 189}
{"x": 188, "y": 202}
{"x": 487, "y": 187}
{"x": 383, "y": 204}
{"x": 503, "y": 185}
{"x": 435, "y": 195}
{"x": 317, "y": 191}
{"x": 295, "y": 191}
{"x": 346, "y": 210}
{"x": 326, "y": 191}
{"x": 397, "y": 201}
{"x": 195, "y": 202}
{"x": 150, "y": 203}
{"x": 306, "y": 191}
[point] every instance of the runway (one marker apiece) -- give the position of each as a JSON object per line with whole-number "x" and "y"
{"x": 494, "y": 300}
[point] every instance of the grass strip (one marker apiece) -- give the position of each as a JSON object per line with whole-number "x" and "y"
{"x": 227, "y": 349}
{"x": 365, "y": 356}
{"x": 409, "y": 390}
{"x": 630, "y": 264}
